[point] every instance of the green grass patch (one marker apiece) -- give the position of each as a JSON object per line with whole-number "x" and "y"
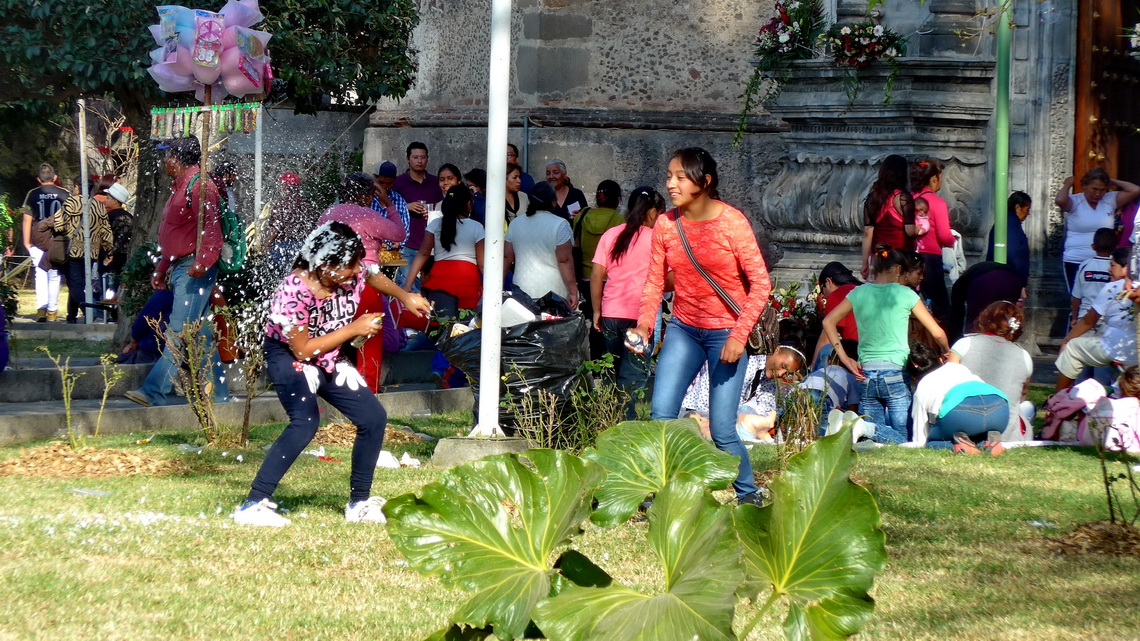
{"x": 158, "y": 557}
{"x": 21, "y": 348}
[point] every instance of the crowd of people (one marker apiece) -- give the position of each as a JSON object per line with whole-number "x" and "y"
{"x": 670, "y": 284}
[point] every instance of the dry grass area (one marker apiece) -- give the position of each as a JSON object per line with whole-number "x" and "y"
{"x": 155, "y": 557}
{"x": 58, "y": 460}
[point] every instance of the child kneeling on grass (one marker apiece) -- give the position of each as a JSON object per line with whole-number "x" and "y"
{"x": 953, "y": 408}
{"x": 1116, "y": 343}
{"x": 311, "y": 316}
{"x": 833, "y": 387}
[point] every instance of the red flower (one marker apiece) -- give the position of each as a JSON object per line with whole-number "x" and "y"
{"x": 104, "y": 150}
{"x": 127, "y": 130}
{"x": 786, "y": 313}
{"x": 775, "y": 304}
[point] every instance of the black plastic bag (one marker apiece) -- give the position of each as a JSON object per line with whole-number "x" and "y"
{"x": 539, "y": 355}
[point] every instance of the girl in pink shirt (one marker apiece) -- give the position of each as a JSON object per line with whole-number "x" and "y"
{"x": 621, "y": 264}
{"x": 704, "y": 329}
{"x": 926, "y": 177}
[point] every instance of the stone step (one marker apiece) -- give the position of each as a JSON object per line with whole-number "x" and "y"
{"x": 37, "y": 379}
{"x": 24, "y": 330}
{"x": 22, "y": 422}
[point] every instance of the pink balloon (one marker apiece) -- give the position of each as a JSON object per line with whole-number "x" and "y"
{"x": 168, "y": 80}
{"x": 206, "y": 75}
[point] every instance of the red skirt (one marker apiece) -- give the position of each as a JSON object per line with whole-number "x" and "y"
{"x": 458, "y": 278}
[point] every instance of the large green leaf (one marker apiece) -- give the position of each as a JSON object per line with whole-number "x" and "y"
{"x": 492, "y": 526}
{"x": 819, "y": 542}
{"x": 692, "y": 536}
{"x": 640, "y": 457}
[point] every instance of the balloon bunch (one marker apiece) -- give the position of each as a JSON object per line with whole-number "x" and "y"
{"x": 200, "y": 48}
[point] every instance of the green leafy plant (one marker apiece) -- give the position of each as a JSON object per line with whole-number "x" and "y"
{"x": 136, "y": 288}
{"x": 856, "y": 46}
{"x": 503, "y": 527}
{"x": 75, "y": 438}
{"x": 9, "y": 300}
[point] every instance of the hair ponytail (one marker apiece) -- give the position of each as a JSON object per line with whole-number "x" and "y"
{"x": 641, "y": 202}
{"x": 454, "y": 207}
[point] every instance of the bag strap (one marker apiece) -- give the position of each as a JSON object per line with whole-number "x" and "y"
{"x": 201, "y": 194}
{"x": 728, "y": 301}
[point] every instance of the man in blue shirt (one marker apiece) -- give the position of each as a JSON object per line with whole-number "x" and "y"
{"x": 384, "y": 196}
{"x": 1016, "y": 242}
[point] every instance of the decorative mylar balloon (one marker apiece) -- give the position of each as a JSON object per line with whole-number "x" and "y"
{"x": 199, "y": 48}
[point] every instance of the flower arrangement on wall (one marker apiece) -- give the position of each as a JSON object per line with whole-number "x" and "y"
{"x": 799, "y": 31}
{"x": 855, "y": 46}
{"x": 791, "y": 34}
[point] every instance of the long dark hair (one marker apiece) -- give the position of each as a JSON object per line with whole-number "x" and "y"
{"x": 892, "y": 177}
{"x": 698, "y": 163}
{"x": 454, "y": 207}
{"x": 923, "y": 171}
{"x": 641, "y": 201}
{"x": 332, "y": 245}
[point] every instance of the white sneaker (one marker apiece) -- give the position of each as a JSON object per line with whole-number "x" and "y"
{"x": 862, "y": 429}
{"x": 366, "y": 511}
{"x": 263, "y": 514}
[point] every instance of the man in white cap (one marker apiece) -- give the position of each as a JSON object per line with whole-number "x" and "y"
{"x": 114, "y": 199}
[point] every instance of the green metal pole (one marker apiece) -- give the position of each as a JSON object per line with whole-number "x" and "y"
{"x": 1001, "y": 142}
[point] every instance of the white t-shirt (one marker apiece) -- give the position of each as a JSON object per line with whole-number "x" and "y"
{"x": 1092, "y": 276}
{"x": 1118, "y": 339}
{"x": 1082, "y": 221}
{"x": 931, "y": 391}
{"x": 534, "y": 240}
{"x": 467, "y": 233}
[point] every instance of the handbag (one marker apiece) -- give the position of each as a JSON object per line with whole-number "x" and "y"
{"x": 763, "y": 336}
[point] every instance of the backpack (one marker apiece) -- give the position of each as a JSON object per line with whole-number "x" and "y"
{"x": 234, "y": 249}
{"x": 1070, "y": 403}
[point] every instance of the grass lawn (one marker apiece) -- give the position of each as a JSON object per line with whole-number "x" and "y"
{"x": 158, "y": 557}
{"x": 26, "y": 347}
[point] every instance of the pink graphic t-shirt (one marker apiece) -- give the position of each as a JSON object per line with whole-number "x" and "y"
{"x": 295, "y": 306}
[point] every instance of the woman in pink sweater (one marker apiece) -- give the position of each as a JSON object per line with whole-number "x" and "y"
{"x": 926, "y": 177}
{"x": 703, "y": 328}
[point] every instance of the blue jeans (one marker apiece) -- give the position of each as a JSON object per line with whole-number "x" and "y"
{"x": 975, "y": 415}
{"x": 632, "y": 369}
{"x": 821, "y": 399}
{"x": 684, "y": 350}
{"x": 886, "y": 401}
{"x": 409, "y": 255}
{"x": 191, "y": 300}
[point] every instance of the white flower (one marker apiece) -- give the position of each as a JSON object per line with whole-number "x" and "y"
{"x": 878, "y": 30}
{"x": 784, "y": 37}
{"x": 794, "y": 5}
{"x": 845, "y": 31}
{"x": 865, "y": 41}
{"x": 892, "y": 52}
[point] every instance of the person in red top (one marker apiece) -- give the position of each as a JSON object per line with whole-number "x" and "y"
{"x": 888, "y": 212}
{"x": 835, "y": 282}
{"x": 188, "y": 264}
{"x": 926, "y": 177}
{"x": 703, "y": 328}
{"x": 374, "y": 228}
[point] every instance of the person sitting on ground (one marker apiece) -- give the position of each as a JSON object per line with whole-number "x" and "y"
{"x": 833, "y": 387}
{"x": 992, "y": 355}
{"x": 835, "y": 283}
{"x": 148, "y": 329}
{"x": 883, "y": 309}
{"x": 1117, "y": 343}
{"x": 1092, "y": 275}
{"x": 1114, "y": 422}
{"x": 954, "y": 408}
{"x": 757, "y": 410}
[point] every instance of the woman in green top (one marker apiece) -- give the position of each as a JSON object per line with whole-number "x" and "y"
{"x": 882, "y": 310}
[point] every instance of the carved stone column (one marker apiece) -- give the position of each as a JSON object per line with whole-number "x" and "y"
{"x": 940, "y": 108}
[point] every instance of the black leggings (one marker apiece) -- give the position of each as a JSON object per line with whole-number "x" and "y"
{"x": 934, "y": 287}
{"x": 359, "y": 406}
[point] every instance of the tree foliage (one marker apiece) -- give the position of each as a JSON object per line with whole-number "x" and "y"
{"x": 56, "y": 51}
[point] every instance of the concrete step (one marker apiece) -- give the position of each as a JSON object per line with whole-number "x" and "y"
{"x": 60, "y": 330}
{"x": 36, "y": 379}
{"x": 21, "y": 422}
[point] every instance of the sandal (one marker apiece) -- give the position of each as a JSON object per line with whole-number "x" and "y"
{"x": 963, "y": 444}
{"x": 993, "y": 445}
